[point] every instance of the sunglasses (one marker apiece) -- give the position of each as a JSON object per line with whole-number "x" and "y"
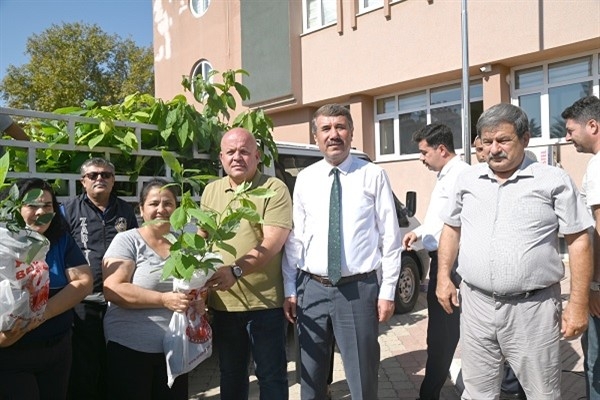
{"x": 94, "y": 175}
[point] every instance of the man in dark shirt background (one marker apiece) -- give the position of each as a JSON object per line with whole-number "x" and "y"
{"x": 94, "y": 217}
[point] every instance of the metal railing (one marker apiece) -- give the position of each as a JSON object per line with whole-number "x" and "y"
{"x": 71, "y": 178}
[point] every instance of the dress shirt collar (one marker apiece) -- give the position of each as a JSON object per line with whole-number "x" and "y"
{"x": 446, "y": 168}
{"x": 255, "y": 182}
{"x": 344, "y": 166}
{"x": 524, "y": 171}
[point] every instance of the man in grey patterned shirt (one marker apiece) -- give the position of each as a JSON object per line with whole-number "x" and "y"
{"x": 505, "y": 217}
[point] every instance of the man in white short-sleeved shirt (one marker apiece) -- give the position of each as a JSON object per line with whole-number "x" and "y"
{"x": 583, "y": 130}
{"x": 436, "y": 145}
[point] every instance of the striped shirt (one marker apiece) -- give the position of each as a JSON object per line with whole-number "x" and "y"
{"x": 509, "y": 231}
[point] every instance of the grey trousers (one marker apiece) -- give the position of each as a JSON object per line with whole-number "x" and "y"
{"x": 348, "y": 312}
{"x": 525, "y": 332}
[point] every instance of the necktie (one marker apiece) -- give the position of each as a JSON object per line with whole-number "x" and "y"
{"x": 334, "y": 248}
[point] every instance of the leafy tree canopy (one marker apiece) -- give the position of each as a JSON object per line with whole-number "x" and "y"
{"x": 73, "y": 62}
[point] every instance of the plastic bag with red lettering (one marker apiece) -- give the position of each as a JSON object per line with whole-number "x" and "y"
{"x": 24, "y": 277}
{"x": 188, "y": 341}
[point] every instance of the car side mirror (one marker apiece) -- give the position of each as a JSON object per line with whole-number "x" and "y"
{"x": 411, "y": 203}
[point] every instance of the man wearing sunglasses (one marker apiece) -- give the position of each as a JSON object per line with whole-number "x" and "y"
{"x": 94, "y": 217}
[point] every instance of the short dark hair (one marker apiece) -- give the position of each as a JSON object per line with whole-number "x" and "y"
{"x": 435, "y": 134}
{"x": 58, "y": 225}
{"x": 331, "y": 110}
{"x": 156, "y": 182}
{"x": 583, "y": 110}
{"x": 504, "y": 113}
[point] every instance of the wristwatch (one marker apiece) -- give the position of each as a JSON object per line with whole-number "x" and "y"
{"x": 237, "y": 271}
{"x": 595, "y": 286}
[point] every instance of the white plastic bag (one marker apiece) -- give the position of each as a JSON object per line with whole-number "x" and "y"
{"x": 188, "y": 341}
{"x": 24, "y": 277}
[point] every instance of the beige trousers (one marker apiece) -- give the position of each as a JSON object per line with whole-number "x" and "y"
{"x": 525, "y": 332}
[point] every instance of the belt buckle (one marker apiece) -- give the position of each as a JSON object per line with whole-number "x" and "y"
{"x": 513, "y": 296}
{"x": 502, "y": 297}
{"x": 323, "y": 280}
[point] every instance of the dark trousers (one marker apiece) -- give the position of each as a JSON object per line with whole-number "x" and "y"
{"x": 135, "y": 375}
{"x": 35, "y": 371}
{"x": 347, "y": 313}
{"x": 88, "y": 375}
{"x": 260, "y": 333}
{"x": 590, "y": 342}
{"x": 443, "y": 333}
{"x": 330, "y": 376}
{"x": 510, "y": 383}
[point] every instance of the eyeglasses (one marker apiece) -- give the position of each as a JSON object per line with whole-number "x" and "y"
{"x": 94, "y": 175}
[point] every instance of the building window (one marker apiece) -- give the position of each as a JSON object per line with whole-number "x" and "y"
{"x": 545, "y": 90}
{"x": 399, "y": 116}
{"x": 202, "y": 68}
{"x": 318, "y": 13}
{"x": 199, "y": 7}
{"x": 368, "y": 5}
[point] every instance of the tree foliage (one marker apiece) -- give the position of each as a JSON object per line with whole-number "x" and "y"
{"x": 73, "y": 62}
{"x": 181, "y": 129}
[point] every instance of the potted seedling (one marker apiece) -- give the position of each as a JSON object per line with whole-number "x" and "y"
{"x": 197, "y": 234}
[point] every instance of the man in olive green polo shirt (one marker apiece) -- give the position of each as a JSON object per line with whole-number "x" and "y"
{"x": 248, "y": 297}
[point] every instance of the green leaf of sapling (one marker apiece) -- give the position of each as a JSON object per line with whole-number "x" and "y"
{"x": 171, "y": 161}
{"x": 178, "y": 218}
{"x": 263, "y": 193}
{"x": 227, "y": 247}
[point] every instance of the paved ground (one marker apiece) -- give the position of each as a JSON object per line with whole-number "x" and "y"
{"x": 403, "y": 359}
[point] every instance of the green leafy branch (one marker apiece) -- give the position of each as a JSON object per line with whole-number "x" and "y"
{"x": 10, "y": 205}
{"x": 180, "y": 127}
{"x": 195, "y": 250}
{"x": 218, "y": 101}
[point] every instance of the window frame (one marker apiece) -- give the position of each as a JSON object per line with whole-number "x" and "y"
{"x": 395, "y": 113}
{"x": 545, "y": 88}
{"x": 200, "y": 65}
{"x": 199, "y": 13}
{"x": 362, "y": 9}
{"x": 322, "y": 24}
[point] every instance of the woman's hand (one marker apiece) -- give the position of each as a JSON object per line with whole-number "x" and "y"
{"x": 19, "y": 329}
{"x": 178, "y": 302}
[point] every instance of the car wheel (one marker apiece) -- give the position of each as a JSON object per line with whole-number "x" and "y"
{"x": 407, "y": 291}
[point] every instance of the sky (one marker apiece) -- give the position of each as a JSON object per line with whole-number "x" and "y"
{"x": 19, "y": 19}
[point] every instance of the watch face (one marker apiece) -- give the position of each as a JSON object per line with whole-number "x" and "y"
{"x": 237, "y": 271}
{"x": 595, "y": 286}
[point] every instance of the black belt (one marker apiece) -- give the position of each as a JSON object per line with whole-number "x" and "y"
{"x": 507, "y": 296}
{"x": 323, "y": 280}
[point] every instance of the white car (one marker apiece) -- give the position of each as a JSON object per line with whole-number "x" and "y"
{"x": 294, "y": 157}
